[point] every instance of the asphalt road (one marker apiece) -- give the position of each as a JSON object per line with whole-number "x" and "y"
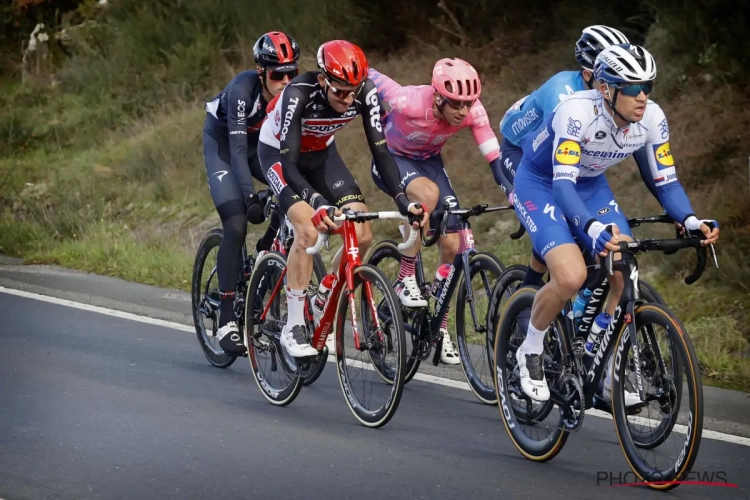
{"x": 95, "y": 406}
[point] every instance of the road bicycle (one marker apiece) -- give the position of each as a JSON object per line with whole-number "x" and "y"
{"x": 664, "y": 372}
{"x": 362, "y": 340}
{"x": 205, "y": 289}
{"x": 472, "y": 290}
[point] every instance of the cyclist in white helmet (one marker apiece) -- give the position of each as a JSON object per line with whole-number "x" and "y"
{"x": 559, "y": 190}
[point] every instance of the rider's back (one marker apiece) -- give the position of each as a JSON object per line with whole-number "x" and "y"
{"x": 528, "y": 113}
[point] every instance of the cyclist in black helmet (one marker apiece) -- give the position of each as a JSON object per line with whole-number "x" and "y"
{"x": 230, "y": 142}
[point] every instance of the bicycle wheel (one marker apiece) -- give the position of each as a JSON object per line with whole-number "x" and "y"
{"x": 205, "y": 300}
{"x": 266, "y": 293}
{"x": 387, "y": 257}
{"x": 355, "y": 363}
{"x": 678, "y": 359}
{"x": 318, "y": 365}
{"x": 475, "y": 340}
{"x": 525, "y": 412}
{"x": 649, "y": 293}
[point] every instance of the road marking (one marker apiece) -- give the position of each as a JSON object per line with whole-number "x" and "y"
{"x": 709, "y": 434}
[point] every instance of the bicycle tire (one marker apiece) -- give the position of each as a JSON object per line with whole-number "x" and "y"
{"x": 383, "y": 415}
{"x": 276, "y": 396}
{"x": 538, "y": 451}
{"x": 663, "y": 479}
{"x": 388, "y": 249}
{"x": 211, "y": 240}
{"x": 477, "y": 263}
{"x": 319, "y": 271}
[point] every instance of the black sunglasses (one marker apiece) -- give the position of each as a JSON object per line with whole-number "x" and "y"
{"x": 277, "y": 76}
{"x": 634, "y": 89}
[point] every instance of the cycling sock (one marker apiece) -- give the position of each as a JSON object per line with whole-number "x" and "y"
{"x": 534, "y": 342}
{"x": 295, "y": 302}
{"x": 226, "y": 308}
{"x": 533, "y": 278}
{"x": 444, "y": 324}
{"x": 408, "y": 267}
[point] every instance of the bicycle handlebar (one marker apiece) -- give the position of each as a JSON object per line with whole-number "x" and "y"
{"x": 668, "y": 246}
{"x": 463, "y": 213}
{"x": 363, "y": 217}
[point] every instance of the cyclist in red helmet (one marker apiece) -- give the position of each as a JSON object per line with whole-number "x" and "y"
{"x": 230, "y": 141}
{"x": 302, "y": 165}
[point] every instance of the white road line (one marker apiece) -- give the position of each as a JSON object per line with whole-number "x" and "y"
{"x": 718, "y": 436}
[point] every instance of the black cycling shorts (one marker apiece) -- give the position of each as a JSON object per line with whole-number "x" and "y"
{"x": 324, "y": 170}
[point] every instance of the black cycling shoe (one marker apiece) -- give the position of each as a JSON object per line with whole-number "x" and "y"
{"x": 230, "y": 339}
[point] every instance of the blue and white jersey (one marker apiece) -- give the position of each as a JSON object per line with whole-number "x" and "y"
{"x": 580, "y": 140}
{"x": 527, "y": 114}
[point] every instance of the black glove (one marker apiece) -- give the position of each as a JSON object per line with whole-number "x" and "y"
{"x": 254, "y": 209}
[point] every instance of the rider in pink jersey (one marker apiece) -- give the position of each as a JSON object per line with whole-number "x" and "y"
{"x": 421, "y": 119}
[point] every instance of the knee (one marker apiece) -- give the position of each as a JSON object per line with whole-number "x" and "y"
{"x": 235, "y": 229}
{"x": 449, "y": 246}
{"x": 364, "y": 236}
{"x": 428, "y": 195}
{"x": 305, "y": 235}
{"x": 570, "y": 278}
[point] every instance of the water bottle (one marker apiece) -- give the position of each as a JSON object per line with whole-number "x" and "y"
{"x": 437, "y": 284}
{"x": 323, "y": 290}
{"x": 601, "y": 323}
{"x": 579, "y": 305}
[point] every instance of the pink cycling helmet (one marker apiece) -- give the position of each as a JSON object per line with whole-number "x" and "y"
{"x": 456, "y": 79}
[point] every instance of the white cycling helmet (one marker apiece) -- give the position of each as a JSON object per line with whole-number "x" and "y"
{"x": 626, "y": 63}
{"x": 593, "y": 40}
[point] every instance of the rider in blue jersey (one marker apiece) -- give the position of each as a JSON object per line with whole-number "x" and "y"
{"x": 526, "y": 115}
{"x": 560, "y": 189}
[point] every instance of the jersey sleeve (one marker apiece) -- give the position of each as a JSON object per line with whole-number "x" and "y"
{"x": 239, "y": 103}
{"x": 671, "y": 194}
{"x": 293, "y": 102}
{"x": 384, "y": 161}
{"x": 569, "y": 125}
{"x": 483, "y": 134}
{"x": 404, "y": 99}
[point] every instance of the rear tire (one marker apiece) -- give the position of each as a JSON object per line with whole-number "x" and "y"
{"x": 205, "y": 300}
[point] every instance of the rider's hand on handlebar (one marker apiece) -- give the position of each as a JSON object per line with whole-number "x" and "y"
{"x": 712, "y": 235}
{"x": 322, "y": 218}
{"x": 417, "y": 209}
{"x": 603, "y": 240}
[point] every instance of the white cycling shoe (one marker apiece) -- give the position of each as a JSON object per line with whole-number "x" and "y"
{"x": 449, "y": 356}
{"x": 604, "y": 391}
{"x": 531, "y": 371}
{"x": 294, "y": 340}
{"x": 408, "y": 292}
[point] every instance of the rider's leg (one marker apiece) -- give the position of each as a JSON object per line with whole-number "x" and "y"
{"x": 227, "y": 196}
{"x": 535, "y": 273}
{"x": 553, "y": 242}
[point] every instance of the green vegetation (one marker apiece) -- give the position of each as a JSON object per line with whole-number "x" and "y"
{"x": 101, "y": 164}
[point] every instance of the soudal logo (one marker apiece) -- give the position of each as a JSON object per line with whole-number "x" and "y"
{"x": 288, "y": 116}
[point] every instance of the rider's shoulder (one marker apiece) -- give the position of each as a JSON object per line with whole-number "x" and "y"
{"x": 583, "y": 101}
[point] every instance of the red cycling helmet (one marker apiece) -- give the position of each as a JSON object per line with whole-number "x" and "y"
{"x": 342, "y": 62}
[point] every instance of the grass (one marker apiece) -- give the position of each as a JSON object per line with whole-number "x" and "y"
{"x": 103, "y": 185}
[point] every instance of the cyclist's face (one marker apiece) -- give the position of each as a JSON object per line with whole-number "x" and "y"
{"x": 631, "y": 108}
{"x": 339, "y": 96}
{"x": 276, "y": 81}
{"x": 453, "y": 116}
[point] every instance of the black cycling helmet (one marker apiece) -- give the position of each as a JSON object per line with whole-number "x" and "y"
{"x": 276, "y": 51}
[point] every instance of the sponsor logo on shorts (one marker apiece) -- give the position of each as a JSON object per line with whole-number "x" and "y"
{"x": 522, "y": 210}
{"x": 451, "y": 201}
{"x": 349, "y": 198}
{"x": 547, "y": 248}
{"x": 568, "y": 153}
{"x": 338, "y": 184}
{"x": 603, "y": 211}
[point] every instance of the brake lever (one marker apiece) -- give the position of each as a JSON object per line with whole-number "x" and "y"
{"x": 713, "y": 254}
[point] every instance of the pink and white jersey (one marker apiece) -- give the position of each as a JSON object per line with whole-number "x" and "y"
{"x": 411, "y": 128}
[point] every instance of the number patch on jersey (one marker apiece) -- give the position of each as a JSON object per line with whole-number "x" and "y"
{"x": 568, "y": 153}
{"x": 664, "y": 155}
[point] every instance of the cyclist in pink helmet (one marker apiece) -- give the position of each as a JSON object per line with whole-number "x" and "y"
{"x": 421, "y": 119}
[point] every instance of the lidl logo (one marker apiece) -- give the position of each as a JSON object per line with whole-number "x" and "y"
{"x": 664, "y": 155}
{"x": 568, "y": 153}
